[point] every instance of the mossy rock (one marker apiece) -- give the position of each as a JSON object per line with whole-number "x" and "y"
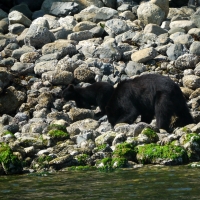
{"x": 110, "y": 164}
{"x": 80, "y": 168}
{"x": 10, "y": 163}
{"x": 151, "y": 134}
{"x": 43, "y": 161}
{"x": 125, "y": 150}
{"x": 156, "y": 154}
{"x": 57, "y": 132}
{"x": 56, "y": 127}
{"x": 191, "y": 142}
{"x": 82, "y": 159}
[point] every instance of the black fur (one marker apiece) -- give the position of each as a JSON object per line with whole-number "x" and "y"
{"x": 96, "y": 94}
{"x": 148, "y": 95}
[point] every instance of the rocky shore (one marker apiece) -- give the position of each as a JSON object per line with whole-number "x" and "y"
{"x": 77, "y": 42}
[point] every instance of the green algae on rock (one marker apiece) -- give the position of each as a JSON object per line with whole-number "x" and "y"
{"x": 125, "y": 150}
{"x": 156, "y": 154}
{"x": 10, "y": 162}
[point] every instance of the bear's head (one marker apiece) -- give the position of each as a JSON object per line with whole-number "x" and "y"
{"x": 69, "y": 93}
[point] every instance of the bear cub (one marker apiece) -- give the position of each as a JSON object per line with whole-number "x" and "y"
{"x": 96, "y": 94}
{"x": 148, "y": 95}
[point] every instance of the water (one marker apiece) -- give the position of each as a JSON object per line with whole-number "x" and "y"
{"x": 144, "y": 183}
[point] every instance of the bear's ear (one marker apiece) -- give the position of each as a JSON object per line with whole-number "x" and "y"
{"x": 70, "y": 87}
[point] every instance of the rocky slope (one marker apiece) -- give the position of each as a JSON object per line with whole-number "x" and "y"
{"x": 74, "y": 42}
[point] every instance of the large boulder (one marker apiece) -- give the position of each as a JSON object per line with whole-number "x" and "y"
{"x": 150, "y": 13}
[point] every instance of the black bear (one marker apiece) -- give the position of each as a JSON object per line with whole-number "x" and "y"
{"x": 96, "y": 94}
{"x": 148, "y": 95}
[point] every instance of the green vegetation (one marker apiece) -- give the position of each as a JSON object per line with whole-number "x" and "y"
{"x": 10, "y": 162}
{"x": 151, "y": 134}
{"x": 8, "y": 133}
{"x": 56, "y": 127}
{"x": 150, "y": 152}
{"x": 110, "y": 164}
{"x": 82, "y": 159}
{"x": 125, "y": 150}
{"x": 193, "y": 137}
{"x": 81, "y": 168}
{"x": 44, "y": 160}
{"x": 186, "y": 130}
{"x": 58, "y": 132}
{"x": 101, "y": 147}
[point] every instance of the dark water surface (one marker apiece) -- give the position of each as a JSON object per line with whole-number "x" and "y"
{"x": 145, "y": 183}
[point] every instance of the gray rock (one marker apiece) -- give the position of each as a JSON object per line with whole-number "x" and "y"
{"x": 196, "y": 20}
{"x": 76, "y": 114}
{"x": 68, "y": 22}
{"x": 104, "y": 14}
{"x": 185, "y": 39}
{"x": 153, "y": 28}
{"x": 82, "y": 125}
{"x": 52, "y": 20}
{"x": 66, "y": 64}
{"x": 38, "y": 36}
{"x": 116, "y": 26}
{"x": 97, "y": 31}
{"x": 185, "y": 24}
{"x": 83, "y": 74}
{"x": 29, "y": 57}
{"x": 150, "y": 13}
{"x": 22, "y": 68}
{"x": 45, "y": 66}
{"x": 78, "y": 36}
{"x": 16, "y": 29}
{"x": 144, "y": 55}
{"x": 56, "y": 78}
{"x": 134, "y": 68}
{"x": 61, "y": 9}
{"x": 62, "y": 47}
{"x": 60, "y": 33}
{"x": 41, "y": 21}
{"x": 191, "y": 81}
{"x": 128, "y": 15}
{"x": 83, "y": 26}
{"x": 174, "y": 51}
{"x": 48, "y": 57}
{"x": 105, "y": 138}
{"x": 186, "y": 61}
{"x": 108, "y": 50}
{"x": 17, "y": 17}
{"x": 19, "y": 52}
{"x": 195, "y": 48}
